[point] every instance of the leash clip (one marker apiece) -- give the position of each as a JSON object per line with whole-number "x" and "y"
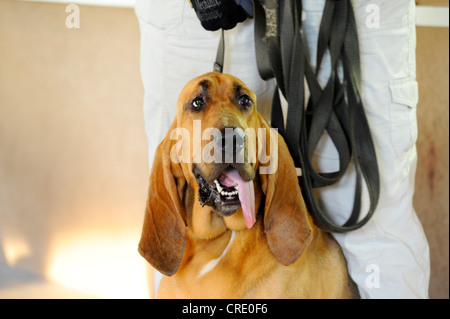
{"x": 217, "y": 67}
{"x": 220, "y": 57}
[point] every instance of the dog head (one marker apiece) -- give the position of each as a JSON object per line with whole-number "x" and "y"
{"x": 222, "y": 150}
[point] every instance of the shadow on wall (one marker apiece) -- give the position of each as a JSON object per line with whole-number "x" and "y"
{"x": 2, "y": 252}
{"x": 73, "y": 151}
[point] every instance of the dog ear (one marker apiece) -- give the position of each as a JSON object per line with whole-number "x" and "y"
{"x": 286, "y": 221}
{"x": 164, "y": 231}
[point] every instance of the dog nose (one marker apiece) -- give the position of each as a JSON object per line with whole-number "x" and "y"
{"x": 230, "y": 140}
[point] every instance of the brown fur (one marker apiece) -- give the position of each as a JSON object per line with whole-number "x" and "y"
{"x": 284, "y": 255}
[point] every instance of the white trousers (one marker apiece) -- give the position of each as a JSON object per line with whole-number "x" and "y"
{"x": 388, "y": 257}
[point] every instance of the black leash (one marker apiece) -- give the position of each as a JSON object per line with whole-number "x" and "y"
{"x": 336, "y": 109}
{"x": 220, "y": 57}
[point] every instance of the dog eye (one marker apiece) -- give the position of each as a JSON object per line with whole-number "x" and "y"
{"x": 245, "y": 101}
{"x": 198, "y": 103}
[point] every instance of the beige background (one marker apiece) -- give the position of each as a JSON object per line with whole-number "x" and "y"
{"x": 73, "y": 156}
{"x": 432, "y": 2}
{"x": 432, "y": 192}
{"x": 73, "y": 152}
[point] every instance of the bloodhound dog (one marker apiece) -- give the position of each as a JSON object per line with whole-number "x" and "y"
{"x": 219, "y": 224}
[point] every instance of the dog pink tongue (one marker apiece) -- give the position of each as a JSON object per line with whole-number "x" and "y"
{"x": 232, "y": 178}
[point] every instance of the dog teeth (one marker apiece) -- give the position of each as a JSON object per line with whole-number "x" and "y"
{"x": 228, "y": 193}
{"x": 219, "y": 188}
{"x": 223, "y": 192}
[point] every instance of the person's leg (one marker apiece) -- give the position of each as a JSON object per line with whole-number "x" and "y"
{"x": 174, "y": 49}
{"x": 388, "y": 257}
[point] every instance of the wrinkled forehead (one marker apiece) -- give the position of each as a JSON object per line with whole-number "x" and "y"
{"x": 213, "y": 85}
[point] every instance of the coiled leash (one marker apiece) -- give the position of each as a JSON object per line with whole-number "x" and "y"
{"x": 336, "y": 109}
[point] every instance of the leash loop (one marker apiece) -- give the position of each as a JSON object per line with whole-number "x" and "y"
{"x": 336, "y": 109}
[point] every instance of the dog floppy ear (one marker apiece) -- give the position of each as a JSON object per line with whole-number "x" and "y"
{"x": 164, "y": 230}
{"x": 286, "y": 221}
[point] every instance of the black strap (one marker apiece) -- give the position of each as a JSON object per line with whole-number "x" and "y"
{"x": 220, "y": 57}
{"x": 336, "y": 108}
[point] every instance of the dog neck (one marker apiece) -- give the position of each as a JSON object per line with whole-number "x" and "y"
{"x": 213, "y": 263}
{"x": 227, "y": 256}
